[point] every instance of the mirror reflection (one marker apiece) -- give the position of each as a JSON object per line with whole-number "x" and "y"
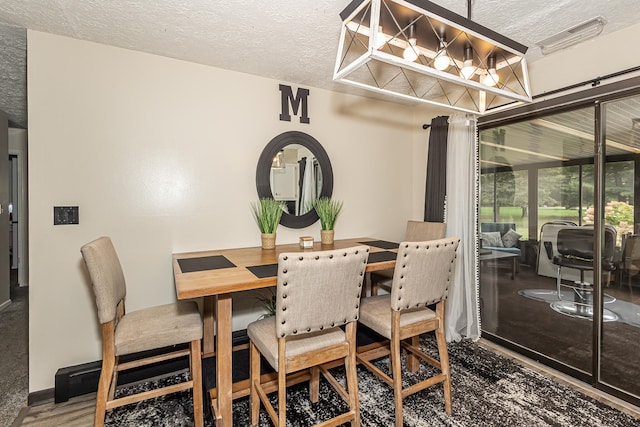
{"x": 295, "y": 168}
{"x": 296, "y": 178}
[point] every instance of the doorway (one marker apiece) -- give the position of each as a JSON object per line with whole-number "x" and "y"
{"x": 18, "y": 206}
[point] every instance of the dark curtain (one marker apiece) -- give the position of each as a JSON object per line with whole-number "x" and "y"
{"x": 436, "y": 170}
{"x": 302, "y": 165}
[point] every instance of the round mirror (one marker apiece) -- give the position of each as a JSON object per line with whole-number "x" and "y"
{"x": 295, "y": 168}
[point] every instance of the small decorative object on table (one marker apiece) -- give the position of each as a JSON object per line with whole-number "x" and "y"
{"x": 306, "y": 242}
{"x": 328, "y": 211}
{"x": 267, "y": 213}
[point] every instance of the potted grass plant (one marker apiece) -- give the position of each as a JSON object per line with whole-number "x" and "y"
{"x": 328, "y": 211}
{"x": 267, "y": 213}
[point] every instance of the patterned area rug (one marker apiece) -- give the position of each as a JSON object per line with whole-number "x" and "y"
{"x": 488, "y": 390}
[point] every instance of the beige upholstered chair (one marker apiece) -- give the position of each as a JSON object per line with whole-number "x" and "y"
{"x": 317, "y": 293}
{"x": 422, "y": 276}
{"x": 630, "y": 263}
{"x": 137, "y": 331}
{"x": 417, "y": 231}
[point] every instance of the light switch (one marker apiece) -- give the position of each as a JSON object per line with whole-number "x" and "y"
{"x": 65, "y": 215}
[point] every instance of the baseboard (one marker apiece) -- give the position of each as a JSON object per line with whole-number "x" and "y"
{"x": 5, "y": 304}
{"x": 40, "y": 397}
{"x": 82, "y": 379}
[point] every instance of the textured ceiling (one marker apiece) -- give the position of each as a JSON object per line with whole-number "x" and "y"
{"x": 290, "y": 40}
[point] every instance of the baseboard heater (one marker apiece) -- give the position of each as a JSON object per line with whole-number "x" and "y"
{"x": 81, "y": 379}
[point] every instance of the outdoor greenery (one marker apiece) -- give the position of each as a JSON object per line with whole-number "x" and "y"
{"x": 328, "y": 211}
{"x": 558, "y": 196}
{"x": 267, "y": 213}
{"x": 514, "y": 214}
{"x": 618, "y": 214}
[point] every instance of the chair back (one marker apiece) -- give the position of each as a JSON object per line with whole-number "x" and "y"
{"x": 106, "y": 275}
{"x": 318, "y": 290}
{"x": 578, "y": 242}
{"x": 631, "y": 253}
{"x": 423, "y": 272}
{"x": 418, "y": 231}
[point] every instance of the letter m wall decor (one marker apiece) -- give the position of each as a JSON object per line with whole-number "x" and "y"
{"x": 294, "y": 101}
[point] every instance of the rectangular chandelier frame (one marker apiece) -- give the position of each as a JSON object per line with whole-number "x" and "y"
{"x": 397, "y": 48}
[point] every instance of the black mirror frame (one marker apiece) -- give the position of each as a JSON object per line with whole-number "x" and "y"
{"x": 263, "y": 173}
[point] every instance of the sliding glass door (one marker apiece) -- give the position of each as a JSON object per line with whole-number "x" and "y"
{"x": 619, "y": 349}
{"x": 564, "y": 185}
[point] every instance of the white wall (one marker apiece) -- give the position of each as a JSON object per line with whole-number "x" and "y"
{"x": 590, "y": 59}
{"x": 161, "y": 154}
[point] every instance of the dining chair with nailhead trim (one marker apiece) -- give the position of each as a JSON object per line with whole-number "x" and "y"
{"x": 421, "y": 278}
{"x": 317, "y": 307}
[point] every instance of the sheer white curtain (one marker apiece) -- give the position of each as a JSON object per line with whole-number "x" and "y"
{"x": 462, "y": 315}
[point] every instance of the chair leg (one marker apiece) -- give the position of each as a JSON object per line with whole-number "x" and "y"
{"x": 106, "y": 375}
{"x": 352, "y": 375}
{"x": 444, "y": 362}
{"x": 254, "y": 379}
{"x": 396, "y": 366}
{"x": 314, "y": 384}
{"x": 374, "y": 288}
{"x": 195, "y": 360}
{"x": 282, "y": 396}
{"x": 413, "y": 363}
{"x": 444, "y": 356}
{"x": 397, "y": 381}
{"x": 114, "y": 380}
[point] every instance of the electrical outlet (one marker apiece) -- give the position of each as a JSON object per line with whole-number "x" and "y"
{"x": 65, "y": 215}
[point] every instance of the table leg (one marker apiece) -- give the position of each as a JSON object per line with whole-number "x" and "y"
{"x": 208, "y": 322}
{"x": 223, "y": 360}
{"x": 513, "y": 268}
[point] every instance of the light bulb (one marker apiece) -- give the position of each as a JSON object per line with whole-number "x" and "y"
{"x": 441, "y": 61}
{"x": 410, "y": 53}
{"x": 380, "y": 39}
{"x": 491, "y": 78}
{"x": 467, "y": 70}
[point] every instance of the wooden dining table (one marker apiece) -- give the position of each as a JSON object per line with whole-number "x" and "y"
{"x": 215, "y": 275}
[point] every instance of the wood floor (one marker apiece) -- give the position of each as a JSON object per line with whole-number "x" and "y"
{"x": 77, "y": 412}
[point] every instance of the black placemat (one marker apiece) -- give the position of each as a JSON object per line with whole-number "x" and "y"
{"x": 189, "y": 265}
{"x": 382, "y": 256}
{"x": 262, "y": 271}
{"x": 382, "y": 244}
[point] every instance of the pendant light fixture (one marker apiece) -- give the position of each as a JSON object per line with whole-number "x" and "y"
{"x": 430, "y": 55}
